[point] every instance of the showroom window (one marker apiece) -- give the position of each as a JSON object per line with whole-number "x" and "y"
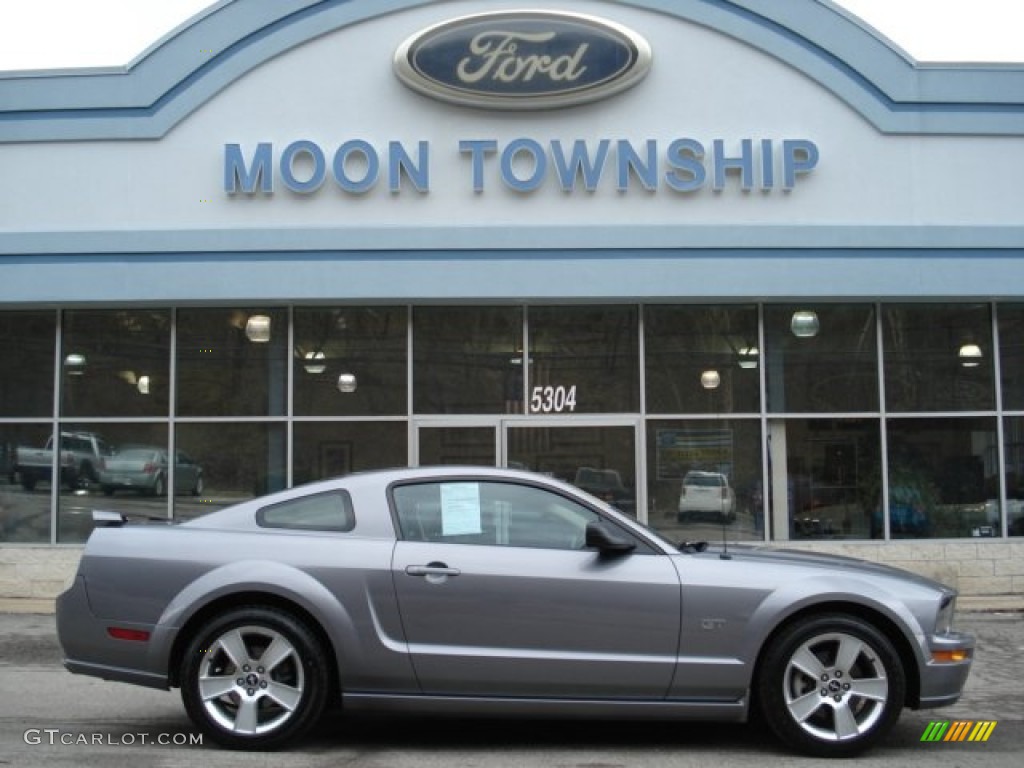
{"x": 328, "y": 449}
{"x": 583, "y": 360}
{"x": 1011, "y": 355}
{"x": 702, "y": 359}
{"x": 825, "y": 478}
{"x": 821, "y": 358}
{"x": 24, "y": 499}
{"x": 467, "y": 360}
{"x": 704, "y": 478}
{"x": 114, "y": 465}
{"x": 26, "y": 392}
{"x": 238, "y": 461}
{"x": 164, "y": 412}
{"x": 938, "y": 357}
{"x": 115, "y": 363}
{"x": 232, "y": 362}
{"x": 350, "y": 361}
{"x": 1013, "y": 447}
{"x": 26, "y": 388}
{"x": 943, "y": 478}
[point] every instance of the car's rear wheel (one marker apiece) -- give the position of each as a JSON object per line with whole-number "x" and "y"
{"x": 831, "y": 686}
{"x": 254, "y": 678}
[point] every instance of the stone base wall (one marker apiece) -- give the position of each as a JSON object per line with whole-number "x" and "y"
{"x": 36, "y": 572}
{"x": 976, "y": 568}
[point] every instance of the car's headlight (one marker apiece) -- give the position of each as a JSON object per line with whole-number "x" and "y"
{"x": 944, "y": 618}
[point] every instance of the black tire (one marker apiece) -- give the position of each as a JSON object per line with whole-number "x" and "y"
{"x": 86, "y": 475}
{"x": 831, "y": 685}
{"x": 241, "y": 704}
{"x": 108, "y": 490}
{"x": 28, "y": 481}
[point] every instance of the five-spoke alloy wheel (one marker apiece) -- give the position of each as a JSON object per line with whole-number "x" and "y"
{"x": 254, "y": 678}
{"x": 831, "y": 685}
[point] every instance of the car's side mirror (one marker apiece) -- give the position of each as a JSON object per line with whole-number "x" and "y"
{"x": 606, "y": 540}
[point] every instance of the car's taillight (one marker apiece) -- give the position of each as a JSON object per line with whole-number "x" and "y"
{"x": 123, "y": 633}
{"x": 150, "y": 468}
{"x": 725, "y": 492}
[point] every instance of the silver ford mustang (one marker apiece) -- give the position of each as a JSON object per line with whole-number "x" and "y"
{"x": 489, "y": 591}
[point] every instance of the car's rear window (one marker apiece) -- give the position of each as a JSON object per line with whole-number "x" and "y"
{"x": 330, "y": 511}
{"x": 706, "y": 481}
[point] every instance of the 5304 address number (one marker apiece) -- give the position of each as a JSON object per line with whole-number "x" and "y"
{"x": 553, "y": 399}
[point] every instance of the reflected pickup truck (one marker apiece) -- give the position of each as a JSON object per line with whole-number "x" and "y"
{"x": 81, "y": 457}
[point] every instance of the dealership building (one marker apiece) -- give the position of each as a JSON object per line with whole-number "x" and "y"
{"x": 741, "y": 268}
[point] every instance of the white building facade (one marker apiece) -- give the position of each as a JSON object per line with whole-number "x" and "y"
{"x": 743, "y": 270}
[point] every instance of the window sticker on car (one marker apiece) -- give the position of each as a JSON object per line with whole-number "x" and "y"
{"x": 460, "y": 509}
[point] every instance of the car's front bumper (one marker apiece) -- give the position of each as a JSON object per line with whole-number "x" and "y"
{"x": 943, "y": 680}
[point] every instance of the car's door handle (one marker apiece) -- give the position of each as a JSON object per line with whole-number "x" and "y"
{"x": 431, "y": 569}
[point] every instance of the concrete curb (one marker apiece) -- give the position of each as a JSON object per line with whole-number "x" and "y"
{"x": 990, "y": 604}
{"x": 968, "y": 604}
{"x": 26, "y": 605}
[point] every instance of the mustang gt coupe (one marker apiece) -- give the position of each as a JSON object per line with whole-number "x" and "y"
{"x": 473, "y": 591}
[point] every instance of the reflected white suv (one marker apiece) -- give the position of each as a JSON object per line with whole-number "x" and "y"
{"x": 706, "y": 495}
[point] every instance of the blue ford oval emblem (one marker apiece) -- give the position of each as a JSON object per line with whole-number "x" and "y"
{"x": 523, "y": 60}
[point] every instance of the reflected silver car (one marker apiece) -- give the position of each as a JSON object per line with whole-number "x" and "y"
{"x": 472, "y": 591}
{"x": 706, "y": 495}
{"x": 146, "y": 470}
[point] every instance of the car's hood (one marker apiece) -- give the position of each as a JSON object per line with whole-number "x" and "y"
{"x": 832, "y": 563}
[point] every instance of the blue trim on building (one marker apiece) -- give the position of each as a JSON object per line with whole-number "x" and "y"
{"x": 177, "y": 76}
{"x": 126, "y": 244}
{"x": 616, "y": 276}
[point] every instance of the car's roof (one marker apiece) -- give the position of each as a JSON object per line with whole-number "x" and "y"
{"x": 367, "y": 484}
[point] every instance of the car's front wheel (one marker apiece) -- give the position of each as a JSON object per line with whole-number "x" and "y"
{"x": 254, "y": 678}
{"x": 831, "y": 685}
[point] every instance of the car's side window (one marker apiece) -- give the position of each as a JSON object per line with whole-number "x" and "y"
{"x": 330, "y": 511}
{"x": 490, "y": 513}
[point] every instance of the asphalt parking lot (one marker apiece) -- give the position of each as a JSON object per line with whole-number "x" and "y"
{"x": 50, "y": 717}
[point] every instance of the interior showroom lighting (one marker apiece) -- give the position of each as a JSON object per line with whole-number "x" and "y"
{"x": 75, "y": 364}
{"x": 748, "y": 357}
{"x": 970, "y": 355}
{"x": 257, "y": 328}
{"x": 804, "y": 324}
{"x": 312, "y": 362}
{"x": 710, "y": 379}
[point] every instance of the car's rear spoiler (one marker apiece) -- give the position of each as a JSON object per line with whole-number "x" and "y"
{"x": 105, "y": 519}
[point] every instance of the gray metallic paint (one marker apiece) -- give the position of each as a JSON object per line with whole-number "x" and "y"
{"x": 657, "y": 632}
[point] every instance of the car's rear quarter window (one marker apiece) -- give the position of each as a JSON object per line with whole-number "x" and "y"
{"x": 330, "y": 511}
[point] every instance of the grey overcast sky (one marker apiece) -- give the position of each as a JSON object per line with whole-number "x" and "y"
{"x": 44, "y": 34}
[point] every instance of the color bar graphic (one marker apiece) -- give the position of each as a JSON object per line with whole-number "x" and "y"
{"x": 959, "y": 730}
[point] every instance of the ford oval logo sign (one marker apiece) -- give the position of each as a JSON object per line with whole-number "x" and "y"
{"x": 523, "y": 60}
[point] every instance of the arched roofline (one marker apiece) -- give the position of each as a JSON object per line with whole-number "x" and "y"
{"x": 188, "y": 67}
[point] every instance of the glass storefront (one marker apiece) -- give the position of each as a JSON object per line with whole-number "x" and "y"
{"x": 766, "y": 422}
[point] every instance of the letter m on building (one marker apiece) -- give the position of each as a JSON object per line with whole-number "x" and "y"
{"x": 239, "y": 177}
